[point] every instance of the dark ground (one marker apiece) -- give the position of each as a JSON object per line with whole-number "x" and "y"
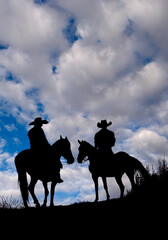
{"x": 128, "y": 217}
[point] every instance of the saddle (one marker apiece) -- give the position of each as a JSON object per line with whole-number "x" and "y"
{"x": 45, "y": 166}
{"x": 105, "y": 155}
{"x": 45, "y": 158}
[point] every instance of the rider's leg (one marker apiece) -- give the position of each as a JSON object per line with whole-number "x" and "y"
{"x": 59, "y": 179}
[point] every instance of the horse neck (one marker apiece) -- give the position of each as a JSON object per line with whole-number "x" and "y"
{"x": 91, "y": 151}
{"x": 56, "y": 148}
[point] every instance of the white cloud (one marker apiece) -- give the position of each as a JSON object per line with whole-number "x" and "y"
{"x": 147, "y": 144}
{"x": 150, "y": 22}
{"x": 8, "y": 184}
{"x": 2, "y": 143}
{"x": 15, "y": 95}
{"x": 32, "y": 28}
{"x": 10, "y": 127}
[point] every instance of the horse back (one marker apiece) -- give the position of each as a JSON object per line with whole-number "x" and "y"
{"x": 110, "y": 167}
{"x": 22, "y": 157}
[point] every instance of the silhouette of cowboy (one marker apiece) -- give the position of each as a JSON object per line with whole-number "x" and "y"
{"x": 38, "y": 140}
{"x": 39, "y": 144}
{"x": 104, "y": 139}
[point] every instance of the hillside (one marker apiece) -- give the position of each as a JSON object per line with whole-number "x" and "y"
{"x": 124, "y": 218}
{"x": 145, "y": 209}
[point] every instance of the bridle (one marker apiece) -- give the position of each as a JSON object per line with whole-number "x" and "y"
{"x": 85, "y": 159}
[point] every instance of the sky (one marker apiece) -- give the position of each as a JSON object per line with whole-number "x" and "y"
{"x": 74, "y": 63}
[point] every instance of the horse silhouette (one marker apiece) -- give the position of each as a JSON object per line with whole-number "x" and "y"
{"x": 46, "y": 171}
{"x": 120, "y": 164}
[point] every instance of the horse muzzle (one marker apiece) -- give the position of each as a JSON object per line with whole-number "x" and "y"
{"x": 71, "y": 160}
{"x": 79, "y": 159}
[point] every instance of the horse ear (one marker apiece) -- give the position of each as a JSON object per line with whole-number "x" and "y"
{"x": 60, "y": 136}
{"x": 79, "y": 142}
{"x": 66, "y": 138}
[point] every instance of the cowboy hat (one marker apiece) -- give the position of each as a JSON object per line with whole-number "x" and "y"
{"x": 103, "y": 124}
{"x": 38, "y": 121}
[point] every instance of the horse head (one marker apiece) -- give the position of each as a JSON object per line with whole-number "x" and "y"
{"x": 65, "y": 148}
{"x": 83, "y": 151}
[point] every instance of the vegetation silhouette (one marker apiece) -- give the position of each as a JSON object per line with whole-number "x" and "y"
{"x": 120, "y": 164}
{"x": 155, "y": 190}
{"x": 46, "y": 171}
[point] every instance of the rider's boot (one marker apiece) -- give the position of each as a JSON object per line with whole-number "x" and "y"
{"x": 59, "y": 180}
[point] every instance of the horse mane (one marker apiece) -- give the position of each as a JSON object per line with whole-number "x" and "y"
{"x": 90, "y": 146}
{"x": 56, "y": 143}
{"x": 87, "y": 143}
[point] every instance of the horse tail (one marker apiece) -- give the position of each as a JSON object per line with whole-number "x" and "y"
{"x": 140, "y": 168}
{"x": 22, "y": 180}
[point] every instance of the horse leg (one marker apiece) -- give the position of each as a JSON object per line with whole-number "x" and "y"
{"x": 95, "y": 179}
{"x": 46, "y": 193}
{"x": 31, "y": 189}
{"x": 105, "y": 187}
{"x": 121, "y": 185}
{"x": 53, "y": 184}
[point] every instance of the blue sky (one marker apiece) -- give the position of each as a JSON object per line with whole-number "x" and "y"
{"x": 74, "y": 63}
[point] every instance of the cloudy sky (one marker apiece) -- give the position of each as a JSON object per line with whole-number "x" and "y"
{"x": 75, "y": 62}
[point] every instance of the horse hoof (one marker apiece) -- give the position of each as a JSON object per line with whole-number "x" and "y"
{"x": 51, "y": 205}
{"x": 43, "y": 206}
{"x": 37, "y": 205}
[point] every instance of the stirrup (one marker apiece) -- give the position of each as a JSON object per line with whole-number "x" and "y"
{"x": 60, "y": 180}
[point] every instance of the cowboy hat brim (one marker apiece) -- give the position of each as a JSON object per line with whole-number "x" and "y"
{"x": 103, "y": 124}
{"x": 37, "y": 122}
